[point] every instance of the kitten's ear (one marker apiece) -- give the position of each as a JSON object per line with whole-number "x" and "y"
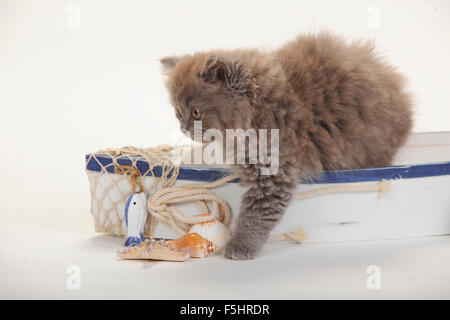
{"x": 218, "y": 70}
{"x": 232, "y": 75}
{"x": 168, "y": 63}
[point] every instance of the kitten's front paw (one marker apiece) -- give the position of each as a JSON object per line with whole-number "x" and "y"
{"x": 239, "y": 250}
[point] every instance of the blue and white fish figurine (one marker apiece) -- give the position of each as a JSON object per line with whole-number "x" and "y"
{"x": 135, "y": 216}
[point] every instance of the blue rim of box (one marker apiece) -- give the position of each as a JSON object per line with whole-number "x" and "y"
{"x": 204, "y": 174}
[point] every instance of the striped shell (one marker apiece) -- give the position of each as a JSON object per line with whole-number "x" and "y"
{"x": 194, "y": 244}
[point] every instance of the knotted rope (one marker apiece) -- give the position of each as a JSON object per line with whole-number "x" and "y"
{"x": 108, "y": 197}
{"x": 155, "y": 156}
{"x": 161, "y": 203}
{"x": 134, "y": 174}
{"x": 297, "y": 235}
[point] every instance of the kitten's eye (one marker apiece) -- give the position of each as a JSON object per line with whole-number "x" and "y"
{"x": 179, "y": 115}
{"x": 196, "y": 114}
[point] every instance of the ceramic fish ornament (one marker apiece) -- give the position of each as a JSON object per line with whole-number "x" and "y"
{"x": 135, "y": 216}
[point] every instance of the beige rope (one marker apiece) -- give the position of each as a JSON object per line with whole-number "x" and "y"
{"x": 135, "y": 176}
{"x": 382, "y": 187}
{"x": 160, "y": 204}
{"x": 160, "y": 207}
{"x": 107, "y": 197}
{"x": 297, "y": 235}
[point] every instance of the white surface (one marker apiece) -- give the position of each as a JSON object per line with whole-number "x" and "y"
{"x": 424, "y": 147}
{"x": 34, "y": 266}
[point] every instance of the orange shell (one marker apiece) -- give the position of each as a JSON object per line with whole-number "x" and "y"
{"x": 212, "y": 230}
{"x": 195, "y": 244}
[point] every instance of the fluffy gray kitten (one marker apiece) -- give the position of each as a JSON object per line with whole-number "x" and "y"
{"x": 336, "y": 105}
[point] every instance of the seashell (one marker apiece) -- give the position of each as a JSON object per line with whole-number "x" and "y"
{"x": 135, "y": 216}
{"x": 194, "y": 244}
{"x": 152, "y": 250}
{"x": 214, "y": 231}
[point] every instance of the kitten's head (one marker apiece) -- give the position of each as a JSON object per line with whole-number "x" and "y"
{"x": 212, "y": 89}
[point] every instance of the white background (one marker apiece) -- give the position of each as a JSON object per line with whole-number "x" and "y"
{"x": 67, "y": 88}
